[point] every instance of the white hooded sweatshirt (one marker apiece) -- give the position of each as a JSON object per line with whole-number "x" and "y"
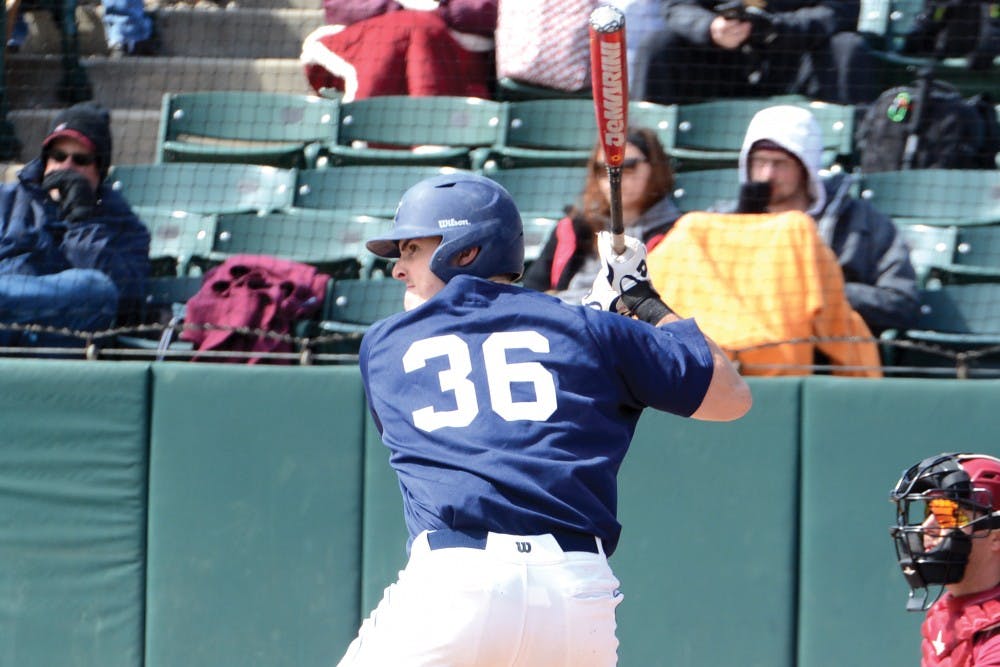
{"x": 796, "y": 131}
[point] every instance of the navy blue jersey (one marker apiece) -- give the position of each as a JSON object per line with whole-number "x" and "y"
{"x": 505, "y": 409}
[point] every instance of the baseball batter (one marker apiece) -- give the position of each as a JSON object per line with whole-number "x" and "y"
{"x": 507, "y": 414}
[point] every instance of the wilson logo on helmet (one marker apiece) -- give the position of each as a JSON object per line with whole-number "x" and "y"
{"x": 452, "y": 222}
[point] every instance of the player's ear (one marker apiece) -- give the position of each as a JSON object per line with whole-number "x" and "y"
{"x": 467, "y": 256}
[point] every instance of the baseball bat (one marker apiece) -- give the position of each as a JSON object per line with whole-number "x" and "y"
{"x": 609, "y": 83}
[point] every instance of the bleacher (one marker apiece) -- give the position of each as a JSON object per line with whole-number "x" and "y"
{"x": 176, "y": 514}
{"x": 223, "y": 149}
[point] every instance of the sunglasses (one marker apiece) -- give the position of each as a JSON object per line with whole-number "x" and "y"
{"x": 79, "y": 159}
{"x": 628, "y": 164}
{"x": 948, "y": 513}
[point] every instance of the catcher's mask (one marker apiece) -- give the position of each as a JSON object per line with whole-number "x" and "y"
{"x": 941, "y": 503}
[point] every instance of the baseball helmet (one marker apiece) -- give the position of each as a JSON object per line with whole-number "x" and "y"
{"x": 960, "y": 490}
{"x": 466, "y": 211}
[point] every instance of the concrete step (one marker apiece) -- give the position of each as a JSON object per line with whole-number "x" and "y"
{"x": 243, "y": 33}
{"x": 133, "y": 133}
{"x": 275, "y": 4}
{"x": 139, "y": 83}
{"x": 218, "y": 33}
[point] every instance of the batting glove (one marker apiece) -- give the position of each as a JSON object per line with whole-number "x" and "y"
{"x": 625, "y": 270}
{"x": 625, "y": 275}
{"x": 602, "y": 297}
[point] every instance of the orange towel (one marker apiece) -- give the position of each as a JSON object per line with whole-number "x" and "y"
{"x": 752, "y": 280}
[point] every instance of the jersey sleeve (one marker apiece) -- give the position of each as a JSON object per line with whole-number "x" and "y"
{"x": 667, "y": 368}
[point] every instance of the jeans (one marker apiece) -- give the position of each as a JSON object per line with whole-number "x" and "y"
{"x": 78, "y": 299}
{"x": 125, "y": 22}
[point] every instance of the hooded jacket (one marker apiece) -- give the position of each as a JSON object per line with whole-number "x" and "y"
{"x": 879, "y": 279}
{"x": 35, "y": 242}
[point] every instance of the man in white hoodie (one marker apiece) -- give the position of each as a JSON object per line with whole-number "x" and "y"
{"x": 783, "y": 148}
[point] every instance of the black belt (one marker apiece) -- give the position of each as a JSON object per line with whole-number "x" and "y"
{"x": 447, "y": 538}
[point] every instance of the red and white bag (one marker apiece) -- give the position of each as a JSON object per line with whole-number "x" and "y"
{"x": 545, "y": 42}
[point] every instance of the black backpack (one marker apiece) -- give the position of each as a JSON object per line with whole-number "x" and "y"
{"x": 928, "y": 124}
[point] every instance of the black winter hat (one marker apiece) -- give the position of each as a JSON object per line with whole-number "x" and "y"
{"x": 89, "y": 123}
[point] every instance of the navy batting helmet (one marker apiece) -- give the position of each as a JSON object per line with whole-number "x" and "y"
{"x": 466, "y": 211}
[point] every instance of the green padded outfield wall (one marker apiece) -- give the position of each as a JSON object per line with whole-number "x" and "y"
{"x": 857, "y": 438}
{"x": 384, "y": 541}
{"x": 254, "y": 515}
{"x": 274, "y": 521}
{"x": 707, "y": 553}
{"x": 73, "y": 442}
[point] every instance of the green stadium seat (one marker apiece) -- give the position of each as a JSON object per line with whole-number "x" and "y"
{"x": 333, "y": 241}
{"x": 710, "y": 134}
{"x": 542, "y": 195}
{"x": 935, "y": 196}
{"x": 399, "y": 129}
{"x": 543, "y": 132}
{"x": 166, "y": 297}
{"x": 977, "y": 252}
{"x": 661, "y": 118}
{"x": 200, "y": 187}
{"x": 509, "y": 89}
{"x": 930, "y": 247}
{"x": 372, "y": 190}
{"x": 954, "y": 319}
{"x": 352, "y": 306}
{"x": 705, "y": 189}
{"x": 177, "y": 239}
{"x": 277, "y": 129}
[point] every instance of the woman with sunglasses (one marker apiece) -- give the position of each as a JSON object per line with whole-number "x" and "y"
{"x": 568, "y": 263}
{"x": 73, "y": 254}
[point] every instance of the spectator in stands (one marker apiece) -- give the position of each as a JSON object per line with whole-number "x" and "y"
{"x": 783, "y": 148}
{"x": 745, "y": 48}
{"x": 947, "y": 534}
{"x": 568, "y": 263}
{"x": 544, "y": 44}
{"x": 642, "y": 18}
{"x": 767, "y": 289}
{"x": 128, "y": 28}
{"x": 409, "y": 47}
{"x": 72, "y": 252}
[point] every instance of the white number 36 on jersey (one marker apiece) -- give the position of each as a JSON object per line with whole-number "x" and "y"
{"x": 499, "y": 374}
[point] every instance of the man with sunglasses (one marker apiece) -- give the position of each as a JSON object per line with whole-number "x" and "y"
{"x": 73, "y": 254}
{"x": 947, "y": 534}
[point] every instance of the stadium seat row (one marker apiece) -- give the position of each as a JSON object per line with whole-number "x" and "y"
{"x": 286, "y": 130}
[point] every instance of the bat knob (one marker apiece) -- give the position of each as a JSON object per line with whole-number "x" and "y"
{"x": 606, "y": 18}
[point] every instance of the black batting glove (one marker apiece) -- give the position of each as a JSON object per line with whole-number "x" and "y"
{"x": 77, "y": 200}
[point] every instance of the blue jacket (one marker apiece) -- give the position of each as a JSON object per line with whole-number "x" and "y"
{"x": 34, "y": 241}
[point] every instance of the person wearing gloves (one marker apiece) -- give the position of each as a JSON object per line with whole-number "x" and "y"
{"x": 507, "y": 414}
{"x": 73, "y": 254}
{"x": 713, "y": 49}
{"x": 779, "y": 170}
